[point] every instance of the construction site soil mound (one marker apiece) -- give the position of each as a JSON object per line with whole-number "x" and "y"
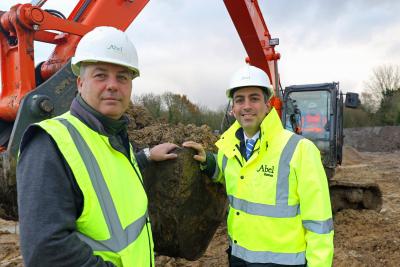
{"x": 366, "y": 237}
{"x": 373, "y": 139}
{"x": 351, "y": 156}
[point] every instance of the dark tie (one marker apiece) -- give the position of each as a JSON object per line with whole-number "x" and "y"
{"x": 249, "y": 147}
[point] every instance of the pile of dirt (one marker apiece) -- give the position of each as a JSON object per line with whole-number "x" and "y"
{"x": 144, "y": 131}
{"x": 351, "y": 156}
{"x": 139, "y": 117}
{"x": 373, "y": 139}
{"x": 367, "y": 237}
{"x": 9, "y": 244}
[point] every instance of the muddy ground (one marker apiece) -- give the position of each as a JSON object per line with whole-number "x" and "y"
{"x": 362, "y": 237}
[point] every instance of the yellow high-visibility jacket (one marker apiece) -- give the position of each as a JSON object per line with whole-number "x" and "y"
{"x": 114, "y": 221}
{"x": 279, "y": 204}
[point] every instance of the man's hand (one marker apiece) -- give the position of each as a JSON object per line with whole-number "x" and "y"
{"x": 201, "y": 153}
{"x": 161, "y": 152}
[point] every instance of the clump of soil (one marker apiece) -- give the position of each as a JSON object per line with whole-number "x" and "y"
{"x": 185, "y": 206}
{"x": 144, "y": 131}
{"x": 180, "y": 196}
{"x": 139, "y": 117}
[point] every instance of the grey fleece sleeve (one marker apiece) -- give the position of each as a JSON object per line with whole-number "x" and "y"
{"x": 49, "y": 202}
{"x": 141, "y": 160}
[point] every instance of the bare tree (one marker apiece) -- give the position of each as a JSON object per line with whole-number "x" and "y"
{"x": 152, "y": 102}
{"x": 384, "y": 80}
{"x": 369, "y": 103}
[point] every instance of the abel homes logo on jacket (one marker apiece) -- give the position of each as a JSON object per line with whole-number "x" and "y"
{"x": 267, "y": 170}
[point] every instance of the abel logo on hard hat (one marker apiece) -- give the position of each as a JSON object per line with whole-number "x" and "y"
{"x": 247, "y": 77}
{"x": 115, "y": 48}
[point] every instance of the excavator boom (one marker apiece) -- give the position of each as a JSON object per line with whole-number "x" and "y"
{"x": 249, "y": 22}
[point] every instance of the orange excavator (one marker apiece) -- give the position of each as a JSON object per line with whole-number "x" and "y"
{"x": 32, "y": 93}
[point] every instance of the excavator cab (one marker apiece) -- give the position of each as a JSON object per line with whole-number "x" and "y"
{"x": 318, "y": 117}
{"x": 316, "y": 112}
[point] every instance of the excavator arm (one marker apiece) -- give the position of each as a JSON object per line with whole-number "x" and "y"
{"x": 260, "y": 47}
{"x": 30, "y": 94}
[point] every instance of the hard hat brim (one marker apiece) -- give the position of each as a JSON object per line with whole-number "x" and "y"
{"x": 75, "y": 65}
{"x": 231, "y": 91}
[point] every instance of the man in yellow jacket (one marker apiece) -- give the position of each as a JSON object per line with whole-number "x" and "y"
{"x": 279, "y": 205}
{"x": 80, "y": 190}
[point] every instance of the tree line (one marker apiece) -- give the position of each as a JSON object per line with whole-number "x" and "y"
{"x": 177, "y": 108}
{"x": 380, "y": 102}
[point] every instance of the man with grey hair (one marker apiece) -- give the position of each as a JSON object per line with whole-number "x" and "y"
{"x": 80, "y": 189}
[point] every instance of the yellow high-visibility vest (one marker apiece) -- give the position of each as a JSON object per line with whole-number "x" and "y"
{"x": 280, "y": 209}
{"x": 114, "y": 221}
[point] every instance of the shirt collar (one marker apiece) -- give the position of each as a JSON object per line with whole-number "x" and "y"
{"x": 254, "y": 137}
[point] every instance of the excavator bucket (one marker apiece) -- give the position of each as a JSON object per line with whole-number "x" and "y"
{"x": 348, "y": 195}
{"x": 49, "y": 99}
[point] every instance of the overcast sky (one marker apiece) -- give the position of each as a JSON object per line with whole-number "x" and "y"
{"x": 191, "y": 46}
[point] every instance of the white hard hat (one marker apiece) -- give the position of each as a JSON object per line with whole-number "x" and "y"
{"x": 249, "y": 76}
{"x": 106, "y": 44}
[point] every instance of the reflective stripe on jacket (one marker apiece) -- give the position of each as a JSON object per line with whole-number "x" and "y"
{"x": 114, "y": 220}
{"x": 280, "y": 208}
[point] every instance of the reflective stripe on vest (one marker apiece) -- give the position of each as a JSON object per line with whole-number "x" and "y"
{"x": 224, "y": 162}
{"x": 267, "y": 256}
{"x": 281, "y": 209}
{"x": 319, "y": 227}
{"x": 119, "y": 238}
